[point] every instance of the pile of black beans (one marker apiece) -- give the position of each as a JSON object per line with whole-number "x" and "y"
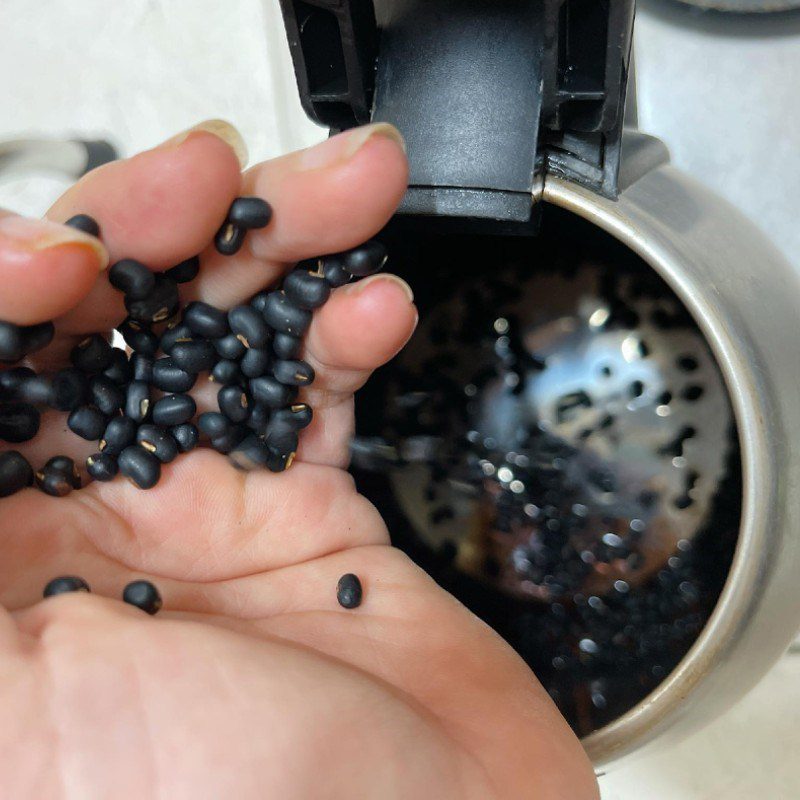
{"x": 136, "y": 403}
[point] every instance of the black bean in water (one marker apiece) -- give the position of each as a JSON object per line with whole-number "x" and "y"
{"x": 139, "y": 466}
{"x": 255, "y": 363}
{"x": 286, "y": 346}
{"x": 64, "y": 585}
{"x": 229, "y": 239}
{"x": 365, "y": 259}
{"x": 17, "y": 341}
{"x": 138, "y": 337}
{"x": 270, "y": 392}
{"x": 143, "y": 595}
{"x": 186, "y": 436}
{"x": 185, "y": 271}
{"x": 132, "y": 277}
{"x": 281, "y": 314}
{"x": 106, "y": 395}
{"x": 250, "y": 212}
{"x": 248, "y": 326}
{"x": 169, "y": 377}
{"x": 137, "y": 401}
{"x": 158, "y": 305}
{"x": 306, "y": 289}
{"x": 195, "y": 356}
{"x": 87, "y": 422}
{"x": 174, "y": 409}
{"x": 158, "y": 441}
{"x": 15, "y": 473}
{"x": 85, "y": 223}
{"x": 19, "y": 422}
{"x": 234, "y": 403}
{"x": 102, "y": 466}
{"x": 92, "y": 355}
{"x": 119, "y": 433}
{"x": 205, "y": 320}
{"x": 349, "y": 591}
{"x": 293, "y": 373}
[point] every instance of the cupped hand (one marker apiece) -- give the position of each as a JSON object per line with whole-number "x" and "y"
{"x": 252, "y": 682}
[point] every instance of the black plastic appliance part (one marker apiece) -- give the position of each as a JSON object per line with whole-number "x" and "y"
{"x": 490, "y": 96}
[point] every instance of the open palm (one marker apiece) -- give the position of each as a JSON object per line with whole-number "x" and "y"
{"x": 252, "y": 682}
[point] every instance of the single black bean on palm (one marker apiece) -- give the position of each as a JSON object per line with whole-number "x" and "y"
{"x": 115, "y": 397}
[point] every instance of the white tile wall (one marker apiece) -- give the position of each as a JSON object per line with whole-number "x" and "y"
{"x": 144, "y": 69}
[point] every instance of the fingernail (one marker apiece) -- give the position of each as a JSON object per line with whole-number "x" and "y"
{"x": 362, "y": 285}
{"x": 39, "y": 234}
{"x": 219, "y": 128}
{"x": 344, "y": 146}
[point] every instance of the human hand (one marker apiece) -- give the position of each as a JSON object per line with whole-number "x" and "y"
{"x": 253, "y": 681}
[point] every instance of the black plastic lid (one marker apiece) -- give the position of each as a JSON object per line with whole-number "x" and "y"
{"x": 489, "y": 94}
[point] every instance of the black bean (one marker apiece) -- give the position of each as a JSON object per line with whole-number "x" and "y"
{"x": 259, "y": 300}
{"x": 17, "y": 341}
{"x": 132, "y": 277}
{"x": 85, "y": 223}
{"x": 138, "y": 337}
{"x": 174, "y": 409}
{"x": 279, "y": 461}
{"x": 349, "y": 591}
{"x": 255, "y": 363}
{"x": 87, "y": 422}
{"x": 142, "y": 365}
{"x": 284, "y": 316}
{"x": 37, "y": 390}
{"x": 259, "y": 418}
{"x": 186, "y": 436}
{"x": 102, "y": 466}
{"x": 294, "y": 417}
{"x": 334, "y": 270}
{"x": 250, "y": 453}
{"x": 272, "y": 393}
{"x": 70, "y": 389}
{"x": 229, "y": 239}
{"x": 365, "y": 259}
{"x": 230, "y": 347}
{"x": 229, "y": 440}
{"x": 169, "y": 377}
{"x": 214, "y": 424}
{"x": 306, "y": 289}
{"x": 196, "y": 356}
{"x": 64, "y": 585}
{"x": 226, "y": 372}
{"x": 119, "y": 433}
{"x": 248, "y": 326}
{"x": 293, "y": 373}
{"x": 11, "y": 380}
{"x": 282, "y": 439}
{"x": 158, "y": 441}
{"x": 175, "y": 332}
{"x": 250, "y": 212}
{"x": 234, "y": 403}
{"x": 185, "y": 271}
{"x": 65, "y": 465}
{"x": 92, "y": 355}
{"x": 137, "y": 401}
{"x": 19, "y": 422}
{"x": 144, "y": 595}
{"x": 106, "y": 395}
{"x": 158, "y": 305}
{"x": 205, "y": 320}
{"x": 15, "y": 473}
{"x": 140, "y": 467}
{"x": 285, "y": 346}
{"x": 120, "y": 370}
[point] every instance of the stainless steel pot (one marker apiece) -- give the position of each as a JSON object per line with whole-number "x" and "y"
{"x": 744, "y": 298}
